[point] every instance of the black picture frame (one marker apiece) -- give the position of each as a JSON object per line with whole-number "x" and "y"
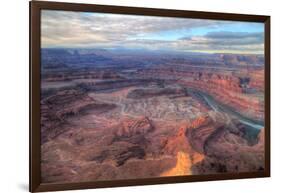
{"x": 35, "y": 152}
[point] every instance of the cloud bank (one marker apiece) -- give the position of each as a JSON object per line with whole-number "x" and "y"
{"x": 99, "y": 30}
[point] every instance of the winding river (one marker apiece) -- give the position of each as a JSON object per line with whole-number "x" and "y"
{"x": 217, "y": 106}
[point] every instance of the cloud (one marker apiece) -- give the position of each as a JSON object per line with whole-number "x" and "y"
{"x": 62, "y": 26}
{"x": 234, "y": 38}
{"x": 222, "y": 40}
{"x": 82, "y": 29}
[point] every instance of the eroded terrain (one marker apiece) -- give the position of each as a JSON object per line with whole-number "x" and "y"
{"x": 140, "y": 116}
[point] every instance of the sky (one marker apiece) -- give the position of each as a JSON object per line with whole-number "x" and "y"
{"x": 68, "y": 29}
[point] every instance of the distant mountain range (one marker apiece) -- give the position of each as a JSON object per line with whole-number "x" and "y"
{"x": 63, "y": 57}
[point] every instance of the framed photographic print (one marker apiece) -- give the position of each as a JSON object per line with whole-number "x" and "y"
{"x": 123, "y": 96}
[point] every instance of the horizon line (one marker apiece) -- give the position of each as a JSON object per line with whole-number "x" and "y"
{"x": 159, "y": 50}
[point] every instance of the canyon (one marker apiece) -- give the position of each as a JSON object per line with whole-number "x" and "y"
{"x": 109, "y": 115}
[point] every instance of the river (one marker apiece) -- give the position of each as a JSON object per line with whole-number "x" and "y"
{"x": 217, "y": 106}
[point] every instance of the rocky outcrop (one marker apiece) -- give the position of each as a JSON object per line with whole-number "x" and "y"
{"x": 227, "y": 150}
{"x": 58, "y": 108}
{"x": 132, "y": 134}
{"x": 132, "y": 127}
{"x": 177, "y": 143}
{"x": 180, "y": 146}
{"x": 199, "y": 131}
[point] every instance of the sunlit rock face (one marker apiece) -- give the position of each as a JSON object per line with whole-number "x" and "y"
{"x": 161, "y": 116}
